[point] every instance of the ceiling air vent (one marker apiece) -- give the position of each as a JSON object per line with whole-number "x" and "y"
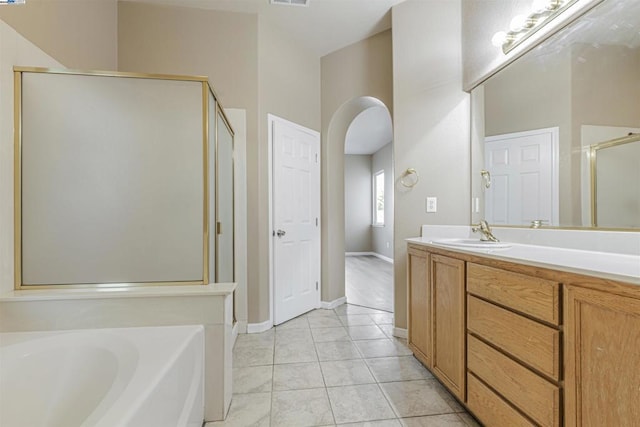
{"x": 291, "y": 2}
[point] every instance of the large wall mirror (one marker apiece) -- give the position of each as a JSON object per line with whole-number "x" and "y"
{"x": 554, "y": 134}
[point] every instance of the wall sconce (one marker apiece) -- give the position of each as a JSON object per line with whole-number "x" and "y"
{"x": 522, "y": 27}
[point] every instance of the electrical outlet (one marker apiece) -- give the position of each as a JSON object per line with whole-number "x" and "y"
{"x": 387, "y": 245}
{"x": 432, "y": 204}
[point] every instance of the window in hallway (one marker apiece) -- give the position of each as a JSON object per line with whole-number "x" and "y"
{"x": 378, "y": 198}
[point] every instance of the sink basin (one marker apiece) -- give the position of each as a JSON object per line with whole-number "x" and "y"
{"x": 472, "y": 243}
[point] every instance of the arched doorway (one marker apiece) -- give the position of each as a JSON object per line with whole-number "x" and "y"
{"x": 369, "y": 210}
{"x": 358, "y": 118}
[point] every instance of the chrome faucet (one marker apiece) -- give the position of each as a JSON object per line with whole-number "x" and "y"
{"x": 484, "y": 228}
{"x": 537, "y": 223}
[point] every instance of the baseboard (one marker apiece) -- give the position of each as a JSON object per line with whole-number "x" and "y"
{"x": 357, "y": 253}
{"x": 333, "y": 304}
{"x": 400, "y": 333}
{"x": 382, "y": 257}
{"x": 256, "y": 328}
{"x": 242, "y": 326}
{"x": 375, "y": 254}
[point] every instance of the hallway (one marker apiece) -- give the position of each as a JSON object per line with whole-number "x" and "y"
{"x": 369, "y": 282}
{"x": 336, "y": 367}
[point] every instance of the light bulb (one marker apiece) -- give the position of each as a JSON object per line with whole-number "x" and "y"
{"x": 499, "y": 39}
{"x": 518, "y": 23}
{"x": 540, "y": 6}
{"x": 555, "y": 4}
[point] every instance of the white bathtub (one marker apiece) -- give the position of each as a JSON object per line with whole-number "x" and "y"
{"x": 149, "y": 376}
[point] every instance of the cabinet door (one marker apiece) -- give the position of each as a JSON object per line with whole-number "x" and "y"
{"x": 448, "y": 318}
{"x": 419, "y": 305}
{"x": 602, "y": 358}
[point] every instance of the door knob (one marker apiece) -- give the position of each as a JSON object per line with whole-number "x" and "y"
{"x": 280, "y": 233}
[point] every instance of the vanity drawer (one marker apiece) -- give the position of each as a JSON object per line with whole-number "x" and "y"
{"x": 490, "y": 408}
{"x": 536, "y": 297}
{"x": 417, "y": 250}
{"x": 530, "y": 393}
{"x": 534, "y": 344}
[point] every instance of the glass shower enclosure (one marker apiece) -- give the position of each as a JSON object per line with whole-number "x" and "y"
{"x": 120, "y": 179}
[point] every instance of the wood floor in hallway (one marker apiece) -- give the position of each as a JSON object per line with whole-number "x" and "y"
{"x": 369, "y": 282}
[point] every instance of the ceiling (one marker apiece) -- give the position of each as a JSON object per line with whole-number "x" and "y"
{"x": 369, "y": 131}
{"x": 323, "y": 27}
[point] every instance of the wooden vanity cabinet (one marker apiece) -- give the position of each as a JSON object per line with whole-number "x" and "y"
{"x": 602, "y": 358}
{"x": 437, "y": 315}
{"x": 448, "y": 322}
{"x": 514, "y": 339}
{"x": 419, "y": 330}
{"x": 496, "y": 334}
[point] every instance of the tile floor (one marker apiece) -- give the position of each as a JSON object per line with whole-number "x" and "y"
{"x": 336, "y": 367}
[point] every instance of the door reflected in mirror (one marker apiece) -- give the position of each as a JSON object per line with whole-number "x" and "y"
{"x": 535, "y": 122}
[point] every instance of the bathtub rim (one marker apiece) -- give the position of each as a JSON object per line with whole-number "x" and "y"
{"x": 152, "y": 364}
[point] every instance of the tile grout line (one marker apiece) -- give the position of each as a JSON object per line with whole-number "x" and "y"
{"x": 382, "y": 390}
{"x": 273, "y": 371}
{"x": 362, "y": 357}
{"x": 324, "y": 381}
{"x": 364, "y": 360}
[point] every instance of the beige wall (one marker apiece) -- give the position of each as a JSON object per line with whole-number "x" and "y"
{"x": 357, "y": 203}
{"x": 81, "y": 34}
{"x": 431, "y": 132}
{"x": 363, "y": 69}
{"x": 526, "y": 96}
{"x": 289, "y": 77}
{"x": 383, "y": 236}
{"x": 605, "y": 87}
{"x": 289, "y": 87}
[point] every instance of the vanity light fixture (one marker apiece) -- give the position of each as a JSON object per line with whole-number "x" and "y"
{"x": 522, "y": 27}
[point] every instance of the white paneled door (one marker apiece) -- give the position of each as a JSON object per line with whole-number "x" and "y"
{"x": 524, "y": 177}
{"x": 295, "y": 219}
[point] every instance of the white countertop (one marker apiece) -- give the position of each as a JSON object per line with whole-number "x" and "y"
{"x": 607, "y": 265}
{"x": 213, "y": 289}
